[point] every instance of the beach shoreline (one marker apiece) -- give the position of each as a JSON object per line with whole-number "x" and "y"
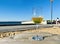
{"x": 25, "y": 37}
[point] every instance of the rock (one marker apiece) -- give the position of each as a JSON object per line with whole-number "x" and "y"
{"x": 38, "y": 38}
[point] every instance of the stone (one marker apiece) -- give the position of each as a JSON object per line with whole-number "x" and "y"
{"x": 38, "y": 38}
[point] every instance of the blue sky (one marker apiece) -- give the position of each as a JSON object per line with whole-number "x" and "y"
{"x": 21, "y": 10}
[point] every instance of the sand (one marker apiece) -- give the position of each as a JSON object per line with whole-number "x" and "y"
{"x": 25, "y": 37}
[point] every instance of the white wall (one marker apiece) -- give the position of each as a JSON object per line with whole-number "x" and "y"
{"x": 28, "y": 22}
{"x": 31, "y": 22}
{"x": 44, "y": 22}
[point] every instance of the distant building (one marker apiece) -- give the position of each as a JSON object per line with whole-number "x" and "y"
{"x": 57, "y": 21}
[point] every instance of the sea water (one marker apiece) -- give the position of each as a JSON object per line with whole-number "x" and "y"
{"x": 10, "y": 23}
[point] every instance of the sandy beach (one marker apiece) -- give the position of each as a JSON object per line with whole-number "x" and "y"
{"x": 25, "y": 37}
